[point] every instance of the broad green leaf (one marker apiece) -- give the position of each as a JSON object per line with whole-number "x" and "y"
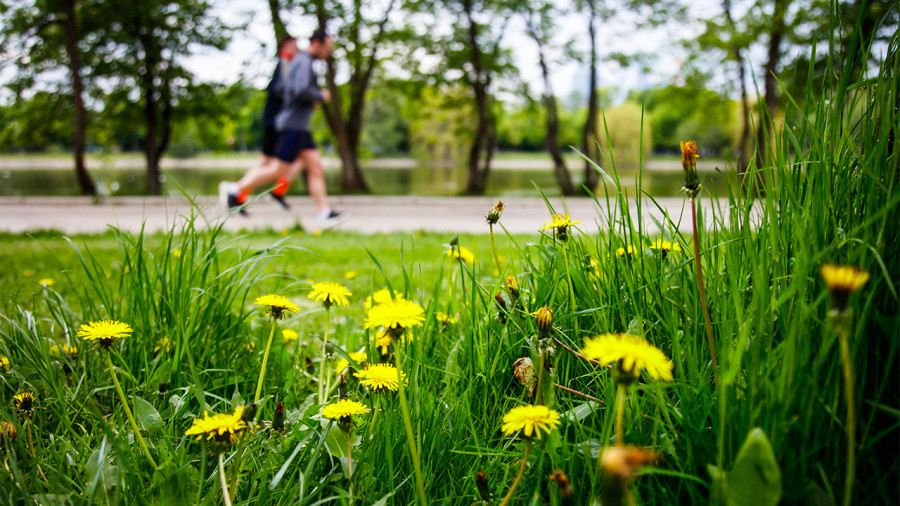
{"x": 756, "y": 477}
{"x": 147, "y": 416}
{"x": 580, "y": 412}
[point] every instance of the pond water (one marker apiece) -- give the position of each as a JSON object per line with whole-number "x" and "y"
{"x": 419, "y": 181}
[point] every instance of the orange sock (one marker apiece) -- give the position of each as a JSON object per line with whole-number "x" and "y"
{"x": 281, "y": 187}
{"x": 242, "y": 197}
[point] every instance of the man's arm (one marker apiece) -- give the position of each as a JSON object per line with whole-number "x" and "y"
{"x": 300, "y": 87}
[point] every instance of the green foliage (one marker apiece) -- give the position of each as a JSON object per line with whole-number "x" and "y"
{"x": 623, "y": 133}
{"x": 678, "y": 113}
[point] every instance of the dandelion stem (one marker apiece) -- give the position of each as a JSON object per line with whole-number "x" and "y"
{"x": 539, "y": 399}
{"x": 262, "y": 371}
{"x": 620, "y": 415}
{"x": 410, "y": 437}
{"x": 322, "y": 364}
{"x": 223, "y": 481}
{"x": 521, "y": 473}
{"x": 706, "y": 321}
{"x": 33, "y": 453}
{"x": 571, "y": 288}
{"x": 349, "y": 467}
{"x": 576, "y": 392}
{"x": 137, "y": 431}
{"x": 851, "y": 419}
{"x": 494, "y": 248}
{"x": 579, "y": 355}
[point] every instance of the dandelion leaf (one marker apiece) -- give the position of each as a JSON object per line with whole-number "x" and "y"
{"x": 147, "y": 416}
{"x": 755, "y": 479}
{"x": 580, "y": 412}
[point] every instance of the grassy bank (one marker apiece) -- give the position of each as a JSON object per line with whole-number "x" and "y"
{"x": 787, "y": 391}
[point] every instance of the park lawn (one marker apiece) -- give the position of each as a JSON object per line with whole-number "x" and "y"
{"x": 28, "y": 259}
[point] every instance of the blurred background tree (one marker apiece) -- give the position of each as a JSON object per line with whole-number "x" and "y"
{"x": 423, "y": 78}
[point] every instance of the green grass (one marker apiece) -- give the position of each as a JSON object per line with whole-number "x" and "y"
{"x": 829, "y": 195}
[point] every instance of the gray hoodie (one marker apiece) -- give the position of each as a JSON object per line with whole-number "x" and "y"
{"x": 300, "y": 94}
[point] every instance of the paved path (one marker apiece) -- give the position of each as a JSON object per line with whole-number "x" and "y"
{"x": 72, "y": 215}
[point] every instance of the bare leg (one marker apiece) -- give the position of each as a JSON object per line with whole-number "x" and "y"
{"x": 268, "y": 169}
{"x": 312, "y": 160}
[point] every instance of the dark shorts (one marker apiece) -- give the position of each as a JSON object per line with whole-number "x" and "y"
{"x": 291, "y": 143}
{"x": 270, "y": 140}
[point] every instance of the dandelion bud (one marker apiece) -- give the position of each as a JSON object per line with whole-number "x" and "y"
{"x": 482, "y": 484}
{"x": 689, "y": 163}
{"x": 278, "y": 418}
{"x": 543, "y": 318}
{"x": 7, "y": 432}
{"x": 342, "y": 388}
{"x": 620, "y": 465}
{"x": 842, "y": 281}
{"x": 565, "y": 488}
{"x": 501, "y": 306}
{"x": 523, "y": 371}
{"x": 493, "y": 215}
{"x": 249, "y": 412}
{"x": 513, "y": 288}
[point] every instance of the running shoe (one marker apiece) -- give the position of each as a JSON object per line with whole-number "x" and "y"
{"x": 333, "y": 219}
{"x": 228, "y": 198}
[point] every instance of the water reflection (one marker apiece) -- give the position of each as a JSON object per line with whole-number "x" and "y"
{"x": 419, "y": 181}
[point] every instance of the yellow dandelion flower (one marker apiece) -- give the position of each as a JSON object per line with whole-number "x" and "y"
{"x": 72, "y": 351}
{"x": 330, "y": 294}
{"x": 632, "y": 353}
{"x": 7, "y": 432}
{"x": 664, "y": 246}
{"x": 843, "y": 281}
{"x": 4, "y": 363}
{"x": 250, "y": 347}
{"x": 45, "y": 282}
{"x": 384, "y": 339}
{"x": 560, "y": 223}
{"x": 444, "y": 318}
{"x": 350, "y": 274}
{"x": 380, "y": 377}
{"x": 344, "y": 408}
{"x": 531, "y": 420}
{"x": 461, "y": 253}
{"x": 290, "y": 335}
{"x": 626, "y": 252}
{"x": 382, "y": 296}
{"x": 163, "y": 344}
{"x": 395, "y": 315}
{"x": 105, "y": 332}
{"x": 176, "y": 253}
{"x": 24, "y": 402}
{"x": 278, "y": 306}
{"x": 222, "y": 429}
{"x": 357, "y": 356}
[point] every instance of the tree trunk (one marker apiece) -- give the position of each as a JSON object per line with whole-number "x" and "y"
{"x": 151, "y": 120}
{"x": 559, "y": 165}
{"x": 743, "y": 153}
{"x": 85, "y": 183}
{"x": 277, "y": 23}
{"x": 477, "y": 183}
{"x": 774, "y": 53}
{"x": 589, "y": 131}
{"x": 347, "y": 130}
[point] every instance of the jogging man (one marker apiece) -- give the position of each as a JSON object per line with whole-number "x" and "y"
{"x": 300, "y": 94}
